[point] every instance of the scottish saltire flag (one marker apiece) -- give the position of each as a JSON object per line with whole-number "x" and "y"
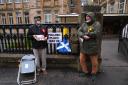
{"x": 64, "y": 47}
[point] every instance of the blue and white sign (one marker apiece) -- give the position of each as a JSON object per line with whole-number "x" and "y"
{"x": 64, "y": 47}
{"x": 54, "y": 37}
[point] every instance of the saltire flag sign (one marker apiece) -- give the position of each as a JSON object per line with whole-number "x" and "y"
{"x": 64, "y": 46}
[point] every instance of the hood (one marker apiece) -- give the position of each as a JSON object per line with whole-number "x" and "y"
{"x": 92, "y": 15}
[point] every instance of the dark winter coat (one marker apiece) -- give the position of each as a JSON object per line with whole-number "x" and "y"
{"x": 90, "y": 46}
{"x": 37, "y": 30}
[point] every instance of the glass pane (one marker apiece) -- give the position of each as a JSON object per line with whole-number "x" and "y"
{"x": 17, "y": 1}
{"x": 1, "y": 1}
{"x": 10, "y": 1}
{"x": 121, "y": 1}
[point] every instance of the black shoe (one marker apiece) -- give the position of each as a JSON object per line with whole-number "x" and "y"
{"x": 100, "y": 71}
{"x": 93, "y": 77}
{"x": 84, "y": 74}
{"x": 37, "y": 73}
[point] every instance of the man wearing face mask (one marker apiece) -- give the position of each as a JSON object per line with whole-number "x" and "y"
{"x": 89, "y": 35}
{"x": 38, "y": 35}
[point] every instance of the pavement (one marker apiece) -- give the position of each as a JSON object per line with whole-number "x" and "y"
{"x": 114, "y": 65}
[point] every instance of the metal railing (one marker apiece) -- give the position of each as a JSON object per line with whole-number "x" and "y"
{"x": 123, "y": 42}
{"x": 123, "y": 47}
{"x": 13, "y": 38}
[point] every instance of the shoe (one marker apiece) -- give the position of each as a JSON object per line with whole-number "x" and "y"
{"x": 37, "y": 73}
{"x": 93, "y": 77}
{"x": 100, "y": 71}
{"x": 44, "y": 72}
{"x": 84, "y": 74}
{"x": 38, "y": 70}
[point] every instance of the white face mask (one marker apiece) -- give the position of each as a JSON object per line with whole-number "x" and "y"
{"x": 38, "y": 22}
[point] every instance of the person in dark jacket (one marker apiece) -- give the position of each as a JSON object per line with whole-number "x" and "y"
{"x": 38, "y": 35}
{"x": 89, "y": 36}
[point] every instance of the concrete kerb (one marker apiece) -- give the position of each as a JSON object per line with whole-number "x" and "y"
{"x": 52, "y": 60}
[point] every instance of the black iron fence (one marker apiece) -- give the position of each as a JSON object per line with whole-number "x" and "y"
{"x": 13, "y": 38}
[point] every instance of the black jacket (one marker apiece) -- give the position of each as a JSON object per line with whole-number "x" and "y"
{"x": 37, "y": 30}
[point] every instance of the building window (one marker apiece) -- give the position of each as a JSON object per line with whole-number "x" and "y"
{"x": 18, "y": 18}
{"x": 111, "y": 8}
{"x": 103, "y": 10}
{"x": 1, "y": 1}
{"x": 84, "y": 2}
{"x": 47, "y": 0}
{"x": 56, "y": 2}
{"x": 10, "y": 16}
{"x": 57, "y": 19}
{"x": 48, "y": 18}
{"x": 38, "y": 12}
{"x": 122, "y": 1}
{"x": 121, "y": 6}
{"x": 72, "y": 3}
{"x": 26, "y": 17}
{"x": 26, "y": 0}
{"x": 3, "y": 19}
{"x": 9, "y": 1}
{"x": 56, "y": 11}
{"x": 38, "y": 5}
{"x": 26, "y": 5}
{"x": 17, "y": 1}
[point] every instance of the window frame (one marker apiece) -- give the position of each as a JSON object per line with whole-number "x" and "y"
{"x": 26, "y": 18}
{"x": 47, "y": 18}
{"x": 3, "y": 19}
{"x": 10, "y": 17}
{"x": 9, "y": 1}
{"x": 18, "y": 18}
{"x": 17, "y": 1}
{"x": 2, "y": 1}
{"x": 26, "y": 0}
{"x": 121, "y": 6}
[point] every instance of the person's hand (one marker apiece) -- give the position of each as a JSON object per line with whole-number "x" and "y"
{"x": 39, "y": 37}
{"x": 81, "y": 39}
{"x": 34, "y": 36}
{"x": 86, "y": 37}
{"x": 45, "y": 38}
